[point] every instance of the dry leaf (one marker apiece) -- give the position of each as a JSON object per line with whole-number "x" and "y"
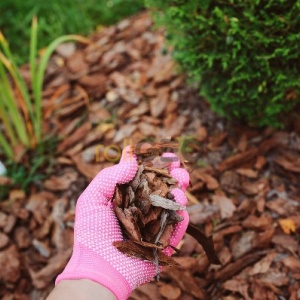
{"x": 287, "y": 225}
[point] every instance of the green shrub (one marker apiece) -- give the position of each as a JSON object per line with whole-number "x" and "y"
{"x": 244, "y": 53}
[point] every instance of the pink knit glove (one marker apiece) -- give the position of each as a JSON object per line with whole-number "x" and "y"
{"x": 96, "y": 228}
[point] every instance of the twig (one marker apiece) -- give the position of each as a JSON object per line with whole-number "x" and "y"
{"x": 163, "y": 224}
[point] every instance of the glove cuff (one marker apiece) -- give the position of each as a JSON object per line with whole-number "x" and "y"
{"x": 86, "y": 264}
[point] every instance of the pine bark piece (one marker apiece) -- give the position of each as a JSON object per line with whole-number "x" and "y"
{"x": 165, "y": 203}
{"x": 205, "y": 242}
{"x": 148, "y": 212}
{"x": 134, "y": 250}
{"x": 129, "y": 223}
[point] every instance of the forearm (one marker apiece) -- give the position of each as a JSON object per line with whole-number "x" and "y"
{"x": 82, "y": 289}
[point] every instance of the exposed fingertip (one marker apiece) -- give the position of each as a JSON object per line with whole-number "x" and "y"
{"x": 182, "y": 176}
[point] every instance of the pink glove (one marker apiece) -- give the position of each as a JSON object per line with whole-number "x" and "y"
{"x": 96, "y": 228}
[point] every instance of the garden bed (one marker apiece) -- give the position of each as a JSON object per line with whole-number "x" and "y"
{"x": 122, "y": 88}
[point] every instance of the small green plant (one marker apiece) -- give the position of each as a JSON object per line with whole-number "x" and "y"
{"x": 243, "y": 53}
{"x": 21, "y": 109}
{"x": 35, "y": 167}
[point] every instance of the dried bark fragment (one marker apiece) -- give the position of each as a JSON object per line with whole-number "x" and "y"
{"x": 10, "y": 265}
{"x": 206, "y": 243}
{"x": 136, "y": 250}
{"x": 233, "y": 268}
{"x": 3, "y": 240}
{"x": 147, "y": 210}
{"x": 165, "y": 203}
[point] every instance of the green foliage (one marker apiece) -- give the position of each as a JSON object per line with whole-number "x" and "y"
{"x": 36, "y": 166}
{"x": 244, "y": 53}
{"x": 57, "y": 18}
{"x": 22, "y": 117}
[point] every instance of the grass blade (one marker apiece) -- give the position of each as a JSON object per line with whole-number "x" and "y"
{"x": 38, "y": 83}
{"x": 3, "y": 116}
{"x": 33, "y": 48}
{"x": 10, "y": 104}
{"x": 6, "y": 147}
{"x": 33, "y": 52}
{"x": 17, "y": 77}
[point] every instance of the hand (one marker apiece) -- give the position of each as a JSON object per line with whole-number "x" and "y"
{"x": 96, "y": 228}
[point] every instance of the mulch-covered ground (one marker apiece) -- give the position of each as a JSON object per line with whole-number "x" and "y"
{"x": 123, "y": 88}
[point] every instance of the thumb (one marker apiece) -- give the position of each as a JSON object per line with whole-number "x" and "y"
{"x": 102, "y": 187}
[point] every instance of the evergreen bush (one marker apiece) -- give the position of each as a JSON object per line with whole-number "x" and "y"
{"x": 244, "y": 53}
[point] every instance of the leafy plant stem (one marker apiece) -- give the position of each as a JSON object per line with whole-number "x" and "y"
{"x": 37, "y": 85}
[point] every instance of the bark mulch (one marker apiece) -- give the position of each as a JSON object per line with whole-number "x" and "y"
{"x": 122, "y": 88}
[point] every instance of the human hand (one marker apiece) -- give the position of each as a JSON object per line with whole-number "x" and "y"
{"x": 96, "y": 228}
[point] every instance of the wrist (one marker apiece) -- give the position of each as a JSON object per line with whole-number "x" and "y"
{"x": 80, "y": 289}
{"x": 86, "y": 264}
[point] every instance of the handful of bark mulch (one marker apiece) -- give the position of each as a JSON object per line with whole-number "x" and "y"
{"x": 147, "y": 210}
